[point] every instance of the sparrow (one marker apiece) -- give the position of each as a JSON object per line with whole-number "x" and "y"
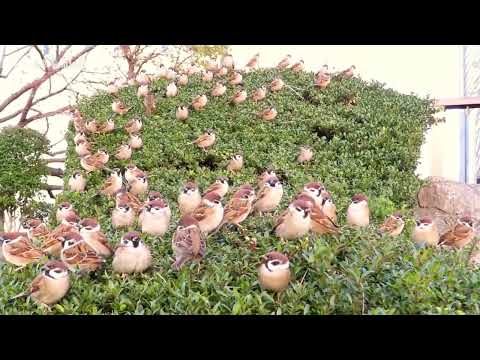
{"x": 149, "y": 104}
{"x": 93, "y": 236}
{"x": 207, "y": 76}
{"x": 462, "y": 234}
{"x": 242, "y": 189}
{"x": 135, "y": 141}
{"x": 189, "y": 198}
{"x": 348, "y": 73}
{"x": 192, "y": 70}
{"x": 123, "y": 196}
{"x": 83, "y": 148}
{"x": 221, "y": 72}
{"x": 143, "y": 79}
{"x": 79, "y": 124}
{"x": 235, "y": 163}
{"x": 123, "y": 215}
{"x": 105, "y": 127}
{"x": 210, "y": 212}
{"x": 328, "y": 206}
{"x": 182, "y": 80}
{"x": 236, "y": 78}
{"x": 91, "y": 126}
{"x": 320, "y": 223}
{"x": 133, "y": 126}
{"x": 294, "y": 222}
{"x": 268, "y": 114}
{"x": 172, "y": 90}
{"x": 119, "y": 107}
{"x": 274, "y": 272}
{"x": 219, "y": 89}
{"x": 154, "y": 195}
{"x": 65, "y": 209}
{"x": 211, "y": 65}
{"x": 36, "y": 229}
{"x": 315, "y": 190}
{"x": 188, "y": 242}
{"x": 227, "y": 61}
{"x": 123, "y": 152}
{"x": 113, "y": 184}
{"x": 77, "y": 182}
{"x": 298, "y": 67}
{"x": 18, "y": 250}
{"x": 259, "y": 94}
{"x": 199, "y": 102}
{"x": 171, "y": 74}
{"x": 95, "y": 161}
{"x": 426, "y": 232}
{"x": 182, "y": 113}
{"x": 264, "y": 177}
{"x": 50, "y": 286}
{"x": 142, "y": 91}
{"x": 131, "y": 173}
{"x": 220, "y": 187}
{"x": 140, "y": 185}
{"x": 239, "y": 97}
{"x": 162, "y": 71}
{"x": 155, "y": 218}
{"x": 253, "y": 62}
{"x": 78, "y": 255}
{"x": 277, "y": 85}
{"x": 237, "y": 209}
{"x": 284, "y": 63}
{"x": 205, "y": 140}
{"x": 131, "y": 255}
{"x": 358, "y": 213}
{"x": 80, "y": 136}
{"x": 393, "y": 225}
{"x": 52, "y": 243}
{"x": 112, "y": 88}
{"x": 269, "y": 196}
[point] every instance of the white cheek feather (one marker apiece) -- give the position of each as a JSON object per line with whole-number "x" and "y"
{"x": 279, "y": 267}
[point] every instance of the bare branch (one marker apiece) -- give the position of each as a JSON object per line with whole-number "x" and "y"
{"x": 14, "y": 66}
{"x": 55, "y": 160}
{"x": 42, "y": 57}
{"x": 42, "y": 115}
{"x": 55, "y": 172}
{"x": 61, "y": 53}
{"x": 2, "y": 58}
{"x": 16, "y": 50}
{"x": 57, "y": 152}
{"x": 58, "y": 142}
{"x": 50, "y": 188}
{"x": 28, "y": 105}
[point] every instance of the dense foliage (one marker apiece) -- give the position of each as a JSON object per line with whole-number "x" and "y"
{"x": 371, "y": 146}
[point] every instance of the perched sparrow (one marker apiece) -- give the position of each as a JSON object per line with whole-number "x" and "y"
{"x": 294, "y": 222}
{"x": 136, "y": 141}
{"x": 462, "y": 234}
{"x": 123, "y": 196}
{"x": 221, "y": 72}
{"x": 210, "y": 212}
{"x": 131, "y": 173}
{"x": 123, "y": 215}
{"x": 83, "y": 148}
{"x": 277, "y": 85}
{"x": 18, "y": 250}
{"x": 119, "y": 107}
{"x": 348, "y": 73}
{"x": 238, "y": 208}
{"x": 259, "y": 94}
{"x": 172, "y": 90}
{"x": 132, "y": 82}
{"x": 182, "y": 113}
{"x": 199, "y": 102}
{"x": 239, "y": 97}
{"x": 131, "y": 255}
{"x": 112, "y": 88}
{"x": 171, "y": 74}
{"x": 95, "y": 161}
{"x": 264, "y": 177}
{"x": 299, "y": 66}
{"x": 188, "y": 242}
{"x": 113, "y": 184}
{"x": 105, "y": 127}
{"x": 315, "y": 190}
{"x": 91, "y": 126}
{"x": 322, "y": 78}
{"x": 79, "y": 124}
{"x": 241, "y": 190}
{"x": 52, "y": 243}
{"x": 149, "y": 103}
{"x": 321, "y": 223}
{"x": 133, "y": 126}
{"x": 274, "y": 272}
{"x": 211, "y": 65}
{"x": 182, "y": 80}
{"x": 36, "y": 229}
{"x": 253, "y": 62}
{"x": 227, "y": 61}
{"x": 219, "y": 89}
{"x": 154, "y": 195}
{"x": 155, "y": 217}
{"x": 284, "y": 63}
{"x": 220, "y": 187}
{"x": 305, "y": 154}
{"x": 50, "y": 286}
{"x": 93, "y": 236}
{"x": 205, "y": 140}
{"x": 80, "y": 136}
{"x": 65, "y": 209}
{"x": 358, "y": 213}
{"x": 124, "y": 152}
{"x": 235, "y": 163}
{"x": 77, "y": 182}
{"x": 78, "y": 255}
{"x": 142, "y": 91}
{"x": 207, "y": 76}
{"x": 139, "y": 186}
{"x": 393, "y": 225}
{"x": 143, "y": 78}
{"x": 328, "y": 206}
{"x": 192, "y": 70}
{"x": 426, "y": 232}
{"x": 269, "y": 196}
{"x": 189, "y": 198}
{"x": 236, "y": 78}
{"x": 268, "y": 114}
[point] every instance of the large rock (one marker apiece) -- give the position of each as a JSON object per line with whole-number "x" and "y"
{"x": 445, "y": 201}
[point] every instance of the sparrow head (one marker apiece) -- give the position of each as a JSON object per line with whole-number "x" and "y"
{"x": 141, "y": 177}
{"x": 70, "y": 239}
{"x": 103, "y": 152}
{"x": 425, "y": 222}
{"x": 307, "y": 198}
{"x": 245, "y": 194}
{"x": 209, "y": 132}
{"x": 189, "y": 187}
{"x": 10, "y": 237}
{"x": 186, "y": 221}
{"x": 397, "y": 215}
{"x": 32, "y": 223}
{"x": 237, "y": 157}
{"x": 73, "y": 220}
{"x": 222, "y": 180}
{"x": 154, "y": 195}
{"x": 315, "y": 188}
{"x": 157, "y": 206}
{"x": 55, "y": 269}
{"x": 131, "y": 239}
{"x": 467, "y": 221}
{"x": 275, "y": 261}
{"x": 273, "y": 182}
{"x": 359, "y": 198}
{"x": 90, "y": 225}
{"x": 123, "y": 207}
{"x": 131, "y": 167}
{"x": 212, "y": 199}
{"x": 64, "y": 206}
{"x": 326, "y": 198}
{"x": 301, "y": 207}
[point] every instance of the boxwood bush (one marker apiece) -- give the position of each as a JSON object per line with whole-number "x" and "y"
{"x": 370, "y": 146}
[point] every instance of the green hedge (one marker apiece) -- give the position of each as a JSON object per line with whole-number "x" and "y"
{"x": 371, "y": 147}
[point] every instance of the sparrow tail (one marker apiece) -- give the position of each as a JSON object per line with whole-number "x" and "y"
{"x": 21, "y": 295}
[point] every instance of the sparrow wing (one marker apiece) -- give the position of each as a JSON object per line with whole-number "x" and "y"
{"x": 264, "y": 192}
{"x": 318, "y": 217}
{"x": 37, "y": 284}
{"x": 388, "y": 226}
{"x": 201, "y": 212}
{"x": 280, "y": 219}
{"x": 24, "y": 248}
{"x": 235, "y": 209}
{"x": 458, "y": 233}
{"x": 102, "y": 239}
{"x": 212, "y": 188}
{"x": 201, "y": 138}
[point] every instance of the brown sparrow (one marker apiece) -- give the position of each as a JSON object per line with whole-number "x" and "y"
{"x": 268, "y": 114}
{"x": 113, "y": 184}
{"x": 236, "y": 79}
{"x": 207, "y": 76}
{"x": 124, "y": 152}
{"x": 227, "y": 61}
{"x": 274, "y": 272}
{"x": 131, "y": 255}
{"x": 36, "y": 229}
{"x": 188, "y": 242}
{"x": 80, "y": 136}
{"x": 264, "y": 177}
{"x": 221, "y": 72}
{"x": 238, "y": 208}
{"x": 77, "y": 182}
{"x": 205, "y": 140}
{"x": 131, "y": 173}
{"x": 426, "y": 232}
{"x": 321, "y": 223}
{"x": 172, "y": 90}
{"x": 91, "y": 126}
{"x": 182, "y": 113}
{"x": 199, "y": 102}
{"x": 211, "y": 65}
{"x": 182, "y": 80}
{"x": 210, "y": 212}
{"x": 136, "y": 141}
{"x": 298, "y": 67}
{"x": 18, "y": 250}
{"x": 294, "y": 222}
{"x": 83, "y": 148}
{"x": 259, "y": 94}
{"x": 253, "y": 62}
{"x": 235, "y": 163}
{"x": 105, "y": 127}
{"x": 277, "y": 85}
{"x": 269, "y": 196}
{"x": 52, "y": 243}
{"x": 65, "y": 209}
{"x": 315, "y": 190}
{"x": 78, "y": 255}
{"x": 171, "y": 74}
{"x": 93, "y": 236}
{"x": 142, "y": 91}
{"x": 112, "y": 88}
{"x": 95, "y": 161}
{"x": 218, "y": 90}
{"x": 284, "y": 63}
{"x": 140, "y": 185}
{"x": 155, "y": 218}
{"x": 328, "y": 206}
{"x": 239, "y": 97}
{"x": 348, "y": 73}
{"x": 123, "y": 196}
{"x": 189, "y": 198}
{"x": 149, "y": 104}
{"x": 462, "y": 234}
{"x": 155, "y": 195}
{"x": 393, "y": 225}
{"x": 358, "y": 213}
{"x": 50, "y": 286}
{"x": 123, "y": 216}
{"x": 119, "y": 107}
{"x": 322, "y": 78}
{"x": 305, "y": 154}
{"x": 220, "y": 187}
{"x": 133, "y": 126}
